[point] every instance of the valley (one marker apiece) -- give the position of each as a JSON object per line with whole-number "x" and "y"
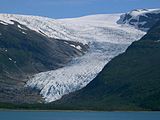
{"x": 65, "y": 55}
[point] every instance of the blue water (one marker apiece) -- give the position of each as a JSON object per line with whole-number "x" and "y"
{"x": 79, "y": 115}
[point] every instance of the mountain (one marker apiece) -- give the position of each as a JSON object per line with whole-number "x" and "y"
{"x": 24, "y": 52}
{"x": 105, "y": 38}
{"x": 142, "y": 19}
{"x": 58, "y": 56}
{"x": 130, "y": 81}
{"x": 51, "y": 67}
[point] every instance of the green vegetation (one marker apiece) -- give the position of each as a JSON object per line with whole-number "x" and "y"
{"x": 131, "y": 81}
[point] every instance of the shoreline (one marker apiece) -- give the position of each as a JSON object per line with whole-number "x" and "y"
{"x": 23, "y": 110}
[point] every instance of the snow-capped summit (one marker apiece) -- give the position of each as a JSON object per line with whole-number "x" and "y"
{"x": 142, "y": 19}
{"x": 137, "y": 12}
{"x": 46, "y": 26}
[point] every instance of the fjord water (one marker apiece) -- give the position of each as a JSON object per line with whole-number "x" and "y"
{"x": 79, "y": 115}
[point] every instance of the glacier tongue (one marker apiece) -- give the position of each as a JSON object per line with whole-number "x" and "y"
{"x": 106, "y": 40}
{"x": 54, "y": 84}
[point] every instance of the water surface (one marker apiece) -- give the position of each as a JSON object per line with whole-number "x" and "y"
{"x": 14, "y": 115}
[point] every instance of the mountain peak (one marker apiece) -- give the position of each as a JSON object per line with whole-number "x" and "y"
{"x": 142, "y": 19}
{"x": 137, "y": 12}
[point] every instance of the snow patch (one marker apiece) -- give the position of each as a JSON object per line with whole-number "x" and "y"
{"x": 66, "y": 42}
{"x": 4, "y": 23}
{"x": 157, "y": 41}
{"x": 10, "y": 59}
{"x": 79, "y": 47}
{"x": 72, "y": 45}
{"x": 21, "y": 27}
{"x": 76, "y": 46}
{"x": 24, "y": 32}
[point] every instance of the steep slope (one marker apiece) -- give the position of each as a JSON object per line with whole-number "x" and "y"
{"x": 130, "y": 81}
{"x": 45, "y": 26}
{"x": 101, "y": 33}
{"x": 105, "y": 38}
{"x": 24, "y": 52}
{"x": 142, "y": 19}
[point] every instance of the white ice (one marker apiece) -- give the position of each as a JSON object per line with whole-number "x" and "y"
{"x": 104, "y": 36}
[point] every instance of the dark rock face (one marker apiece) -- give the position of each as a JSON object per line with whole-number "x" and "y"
{"x": 141, "y": 19}
{"x": 24, "y": 52}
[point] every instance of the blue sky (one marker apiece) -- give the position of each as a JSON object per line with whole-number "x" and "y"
{"x": 73, "y": 8}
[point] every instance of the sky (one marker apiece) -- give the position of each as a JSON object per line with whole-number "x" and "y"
{"x": 73, "y": 8}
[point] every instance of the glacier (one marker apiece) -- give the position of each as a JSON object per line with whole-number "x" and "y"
{"x": 104, "y": 36}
